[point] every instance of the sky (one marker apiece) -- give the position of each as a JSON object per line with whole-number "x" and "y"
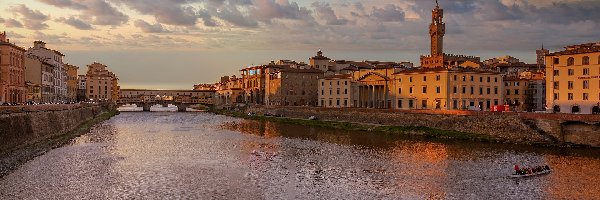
{"x": 174, "y": 44}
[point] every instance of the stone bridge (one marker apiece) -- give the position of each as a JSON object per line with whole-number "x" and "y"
{"x": 180, "y": 98}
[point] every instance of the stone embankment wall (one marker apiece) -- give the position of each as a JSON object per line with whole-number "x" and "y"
{"x": 23, "y": 125}
{"x": 523, "y": 128}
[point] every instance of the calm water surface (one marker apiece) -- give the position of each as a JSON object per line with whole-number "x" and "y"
{"x": 204, "y": 156}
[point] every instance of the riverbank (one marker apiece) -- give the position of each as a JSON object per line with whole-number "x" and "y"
{"x": 15, "y": 157}
{"x": 514, "y": 128}
{"x": 353, "y": 126}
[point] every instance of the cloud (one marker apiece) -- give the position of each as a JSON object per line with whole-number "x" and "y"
{"x": 98, "y": 12}
{"x": 150, "y": 28}
{"x": 12, "y": 23}
{"x": 266, "y": 10}
{"x": 65, "y": 4}
{"x": 172, "y": 12}
{"x": 389, "y": 13}
{"x": 325, "y": 12}
{"x": 74, "y": 22}
{"x": 32, "y": 19}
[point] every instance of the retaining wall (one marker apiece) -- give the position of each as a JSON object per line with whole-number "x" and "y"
{"x": 524, "y": 128}
{"x": 28, "y": 124}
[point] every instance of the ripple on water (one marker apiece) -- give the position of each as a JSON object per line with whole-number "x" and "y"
{"x": 204, "y": 156}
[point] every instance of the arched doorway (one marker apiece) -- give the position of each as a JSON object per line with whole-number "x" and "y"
{"x": 575, "y": 109}
{"x": 556, "y": 109}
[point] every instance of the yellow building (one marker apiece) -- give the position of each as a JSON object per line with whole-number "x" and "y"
{"x": 102, "y": 85}
{"x": 573, "y": 79}
{"x": 72, "y": 83}
{"x": 337, "y": 91}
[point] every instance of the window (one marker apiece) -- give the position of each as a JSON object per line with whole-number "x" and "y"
{"x": 586, "y": 71}
{"x": 570, "y": 96}
{"x": 338, "y": 102}
{"x": 338, "y": 83}
{"x": 454, "y": 77}
{"x": 464, "y": 89}
{"x": 556, "y": 60}
{"x": 454, "y": 90}
{"x": 585, "y": 61}
{"x": 586, "y": 96}
{"x": 438, "y": 89}
{"x": 345, "y": 82}
{"x": 438, "y": 77}
{"x": 345, "y": 91}
{"x": 330, "y": 93}
{"x": 455, "y": 104}
{"x": 507, "y": 92}
{"x": 556, "y": 84}
{"x": 495, "y": 79}
{"x": 424, "y": 104}
{"x": 481, "y": 79}
{"x": 506, "y": 84}
{"x": 570, "y": 85}
{"x": 517, "y": 84}
{"x": 516, "y": 92}
{"x": 400, "y": 103}
{"x": 410, "y": 90}
{"x": 495, "y": 90}
{"x": 472, "y": 90}
{"x": 555, "y": 96}
{"x": 399, "y": 90}
{"x": 411, "y": 103}
{"x": 322, "y": 102}
{"x": 570, "y": 61}
{"x": 338, "y": 91}
{"x": 424, "y": 89}
{"x": 464, "y": 78}
{"x": 556, "y": 72}
{"x": 424, "y": 78}
{"x": 410, "y": 79}
{"x": 480, "y": 91}
{"x": 586, "y": 84}
{"x": 329, "y": 102}
{"x": 345, "y": 102}
{"x": 472, "y": 78}
{"x": 488, "y": 79}
{"x": 489, "y": 90}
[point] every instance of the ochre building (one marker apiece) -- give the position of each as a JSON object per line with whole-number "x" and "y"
{"x": 573, "y": 79}
{"x": 12, "y": 72}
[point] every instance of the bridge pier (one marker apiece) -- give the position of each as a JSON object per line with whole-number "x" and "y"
{"x": 181, "y": 107}
{"x": 146, "y": 107}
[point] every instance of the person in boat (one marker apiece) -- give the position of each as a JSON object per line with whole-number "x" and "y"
{"x": 517, "y": 171}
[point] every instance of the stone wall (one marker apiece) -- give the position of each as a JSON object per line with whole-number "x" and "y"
{"x": 524, "y": 128}
{"x": 27, "y": 125}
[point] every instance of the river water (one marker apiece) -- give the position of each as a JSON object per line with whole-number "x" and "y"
{"x": 162, "y": 155}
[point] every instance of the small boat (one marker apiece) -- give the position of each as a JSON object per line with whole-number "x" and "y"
{"x": 528, "y": 175}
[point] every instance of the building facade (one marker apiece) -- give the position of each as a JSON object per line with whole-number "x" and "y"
{"x": 33, "y": 78}
{"x": 72, "y": 82}
{"x": 132, "y": 96}
{"x": 337, "y": 91}
{"x": 81, "y": 88}
{"x": 573, "y": 79}
{"x": 287, "y": 86}
{"x": 54, "y": 58}
{"x": 102, "y": 84}
{"x": 12, "y": 72}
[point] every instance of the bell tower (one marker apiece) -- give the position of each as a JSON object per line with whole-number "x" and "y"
{"x": 437, "y": 30}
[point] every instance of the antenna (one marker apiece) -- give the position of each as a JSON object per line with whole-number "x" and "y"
{"x": 437, "y": 5}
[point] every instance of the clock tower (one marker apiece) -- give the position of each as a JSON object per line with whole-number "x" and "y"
{"x": 437, "y": 29}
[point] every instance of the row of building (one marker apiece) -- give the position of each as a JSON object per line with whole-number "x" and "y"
{"x": 442, "y": 81}
{"x": 39, "y": 75}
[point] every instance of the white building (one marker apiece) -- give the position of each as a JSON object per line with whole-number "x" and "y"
{"x": 54, "y": 58}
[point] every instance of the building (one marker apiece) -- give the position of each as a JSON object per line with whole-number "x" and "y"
{"x": 541, "y": 54}
{"x": 33, "y": 78}
{"x": 515, "y": 93}
{"x": 286, "y": 86}
{"x": 229, "y": 92}
{"x": 573, "y": 79}
{"x": 438, "y": 58}
{"x": 501, "y": 60}
{"x": 319, "y": 62}
{"x": 337, "y": 91}
{"x": 12, "y": 72}
{"x": 102, "y": 85}
{"x": 54, "y": 58}
{"x": 253, "y": 84}
{"x": 72, "y": 82}
{"x": 81, "y": 88}
{"x": 48, "y": 83}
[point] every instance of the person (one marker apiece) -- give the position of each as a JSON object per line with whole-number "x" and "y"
{"x": 517, "y": 171}
{"x": 547, "y": 168}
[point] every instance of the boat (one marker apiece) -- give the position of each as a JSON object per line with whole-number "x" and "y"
{"x": 533, "y": 174}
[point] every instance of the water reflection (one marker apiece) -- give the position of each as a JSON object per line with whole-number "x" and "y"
{"x": 202, "y": 156}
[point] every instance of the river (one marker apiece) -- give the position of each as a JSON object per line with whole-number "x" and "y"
{"x": 167, "y": 155}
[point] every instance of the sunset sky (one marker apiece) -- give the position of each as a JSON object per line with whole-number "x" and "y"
{"x": 173, "y": 44}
